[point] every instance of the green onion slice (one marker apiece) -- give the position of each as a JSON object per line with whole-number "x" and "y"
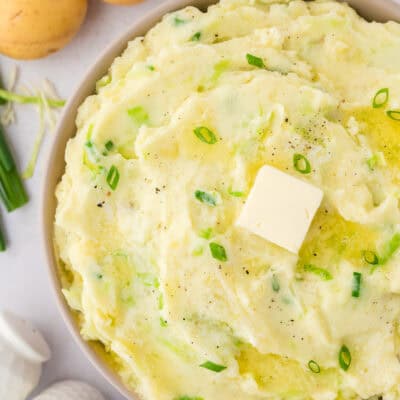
{"x": 2, "y": 242}
{"x": 235, "y": 193}
{"x": 196, "y": 37}
{"x": 344, "y": 358}
{"x": 301, "y": 164}
{"x": 393, "y": 114}
{"x": 205, "y": 135}
{"x": 113, "y": 177}
{"x": 381, "y": 98}
{"x": 255, "y": 61}
{"x": 314, "y": 367}
{"x": 275, "y": 283}
{"x": 218, "y": 252}
{"x": 370, "y": 257}
{"x": 188, "y": 398}
{"x": 205, "y": 197}
{"x": 323, "y": 273}
{"x": 372, "y": 162}
{"x": 6, "y": 158}
{"x": 179, "y": 21}
{"x": 390, "y": 248}
{"x": 212, "y": 366}
{"x": 139, "y": 115}
{"x": 109, "y": 145}
{"x": 206, "y": 233}
{"x": 356, "y": 286}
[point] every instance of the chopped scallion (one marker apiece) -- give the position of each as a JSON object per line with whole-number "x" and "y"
{"x": 235, "y": 193}
{"x": 139, "y": 115}
{"x": 163, "y": 322}
{"x": 356, "y": 286}
{"x": 255, "y": 61}
{"x": 370, "y": 257}
{"x": 2, "y": 241}
{"x": 205, "y": 135}
{"x": 372, "y": 162}
{"x": 218, "y": 252}
{"x": 393, "y": 114}
{"x": 275, "y": 283}
{"x": 179, "y": 21}
{"x": 344, "y": 358}
{"x": 196, "y": 37}
{"x": 314, "y": 367}
{"x": 205, "y": 197}
{"x": 390, "y": 248}
{"x": 381, "y": 98}
{"x": 113, "y": 177}
{"x": 206, "y": 233}
{"x": 109, "y": 145}
{"x": 212, "y": 366}
{"x": 301, "y": 164}
{"x": 323, "y": 273}
{"x": 188, "y": 398}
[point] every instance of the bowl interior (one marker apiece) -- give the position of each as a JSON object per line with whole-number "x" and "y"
{"x": 379, "y": 10}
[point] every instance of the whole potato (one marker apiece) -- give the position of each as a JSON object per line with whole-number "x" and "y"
{"x": 122, "y": 2}
{"x": 35, "y": 28}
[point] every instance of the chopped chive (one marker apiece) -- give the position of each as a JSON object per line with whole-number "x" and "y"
{"x": 151, "y": 68}
{"x": 301, "y": 164}
{"x": 323, "y": 273}
{"x": 314, "y": 367}
{"x": 163, "y": 322}
{"x": 113, "y": 177}
{"x": 16, "y": 98}
{"x": 254, "y": 60}
{"x": 212, "y": 366}
{"x": 393, "y": 114}
{"x": 372, "y": 162}
{"x": 275, "y": 283}
{"x": 390, "y": 248}
{"x": 109, "y": 145}
{"x": 344, "y": 358}
{"x": 160, "y": 301}
{"x": 206, "y": 233}
{"x": 218, "y": 251}
{"x": 196, "y": 37}
{"x": 139, "y": 115}
{"x": 188, "y": 398}
{"x": 205, "y": 197}
{"x": 235, "y": 193}
{"x": 381, "y": 98}
{"x": 104, "y": 81}
{"x": 2, "y": 241}
{"x": 205, "y": 135}
{"x": 370, "y": 257}
{"x": 179, "y": 21}
{"x": 356, "y": 286}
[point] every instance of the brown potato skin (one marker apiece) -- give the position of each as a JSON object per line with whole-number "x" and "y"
{"x": 32, "y": 29}
{"x": 122, "y": 2}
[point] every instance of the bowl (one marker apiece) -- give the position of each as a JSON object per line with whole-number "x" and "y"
{"x": 379, "y": 10}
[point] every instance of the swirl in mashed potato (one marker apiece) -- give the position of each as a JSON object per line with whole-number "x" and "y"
{"x": 188, "y": 305}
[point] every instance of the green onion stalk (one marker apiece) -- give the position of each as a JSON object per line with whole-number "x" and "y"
{"x": 12, "y": 192}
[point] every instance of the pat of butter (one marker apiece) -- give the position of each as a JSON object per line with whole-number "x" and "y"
{"x": 280, "y": 208}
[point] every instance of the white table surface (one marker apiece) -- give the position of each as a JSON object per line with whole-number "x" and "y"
{"x": 24, "y": 284}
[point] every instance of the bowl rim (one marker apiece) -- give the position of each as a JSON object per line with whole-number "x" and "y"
{"x": 55, "y": 164}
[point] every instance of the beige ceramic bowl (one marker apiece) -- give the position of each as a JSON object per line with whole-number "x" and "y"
{"x": 379, "y": 10}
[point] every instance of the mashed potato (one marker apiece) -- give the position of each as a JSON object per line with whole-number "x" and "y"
{"x": 188, "y": 305}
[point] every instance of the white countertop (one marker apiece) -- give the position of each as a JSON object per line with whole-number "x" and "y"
{"x": 25, "y": 287}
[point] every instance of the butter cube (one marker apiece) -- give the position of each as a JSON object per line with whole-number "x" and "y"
{"x": 280, "y": 208}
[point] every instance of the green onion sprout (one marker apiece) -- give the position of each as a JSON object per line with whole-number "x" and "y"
{"x": 344, "y": 358}
{"x": 322, "y": 273}
{"x": 205, "y": 135}
{"x": 16, "y": 98}
{"x": 212, "y": 366}
{"x": 393, "y": 114}
{"x": 2, "y": 242}
{"x": 381, "y": 98}
{"x": 205, "y": 197}
{"x": 301, "y": 164}
{"x": 255, "y": 61}
{"x": 113, "y": 177}
{"x": 356, "y": 286}
{"x": 218, "y": 252}
{"x": 314, "y": 367}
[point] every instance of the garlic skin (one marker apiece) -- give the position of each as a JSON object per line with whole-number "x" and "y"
{"x": 70, "y": 390}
